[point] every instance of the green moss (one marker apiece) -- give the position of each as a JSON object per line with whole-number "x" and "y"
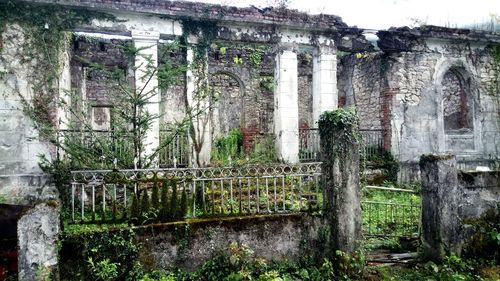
{"x": 338, "y": 129}
{"x": 485, "y": 242}
{"x": 429, "y": 158}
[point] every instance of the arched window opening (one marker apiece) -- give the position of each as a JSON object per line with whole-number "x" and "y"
{"x": 457, "y": 102}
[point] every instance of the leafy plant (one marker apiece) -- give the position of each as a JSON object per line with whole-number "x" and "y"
{"x": 155, "y": 200}
{"x": 103, "y": 270}
{"x": 228, "y": 148}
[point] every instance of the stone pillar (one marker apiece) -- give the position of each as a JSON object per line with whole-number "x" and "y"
{"x": 286, "y": 108}
{"x": 199, "y": 106}
{"x": 325, "y": 96}
{"x": 147, "y": 84}
{"x": 440, "y": 223}
{"x": 37, "y": 234}
{"x": 340, "y": 178}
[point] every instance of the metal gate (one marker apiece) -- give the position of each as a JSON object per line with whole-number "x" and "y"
{"x": 391, "y": 212}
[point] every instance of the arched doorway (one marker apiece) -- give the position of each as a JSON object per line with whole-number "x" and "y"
{"x": 227, "y": 109}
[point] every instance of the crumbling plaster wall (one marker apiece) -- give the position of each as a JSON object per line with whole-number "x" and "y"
{"x": 21, "y": 179}
{"x": 404, "y": 85}
{"x": 22, "y": 182}
{"x": 417, "y": 113}
{"x": 360, "y": 84}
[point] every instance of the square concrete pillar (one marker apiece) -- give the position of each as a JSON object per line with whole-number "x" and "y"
{"x": 286, "y": 108}
{"x": 325, "y": 96}
{"x": 199, "y": 107}
{"x": 146, "y": 82}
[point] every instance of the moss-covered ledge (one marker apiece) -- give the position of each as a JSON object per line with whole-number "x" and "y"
{"x": 188, "y": 244}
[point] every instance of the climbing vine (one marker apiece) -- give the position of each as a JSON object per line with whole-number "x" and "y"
{"x": 493, "y": 87}
{"x": 43, "y": 29}
{"x": 339, "y": 127}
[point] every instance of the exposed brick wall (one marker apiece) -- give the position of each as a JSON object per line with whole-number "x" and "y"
{"x": 107, "y": 53}
{"x": 249, "y": 135}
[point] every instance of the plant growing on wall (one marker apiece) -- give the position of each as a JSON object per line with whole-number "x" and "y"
{"x": 203, "y": 96}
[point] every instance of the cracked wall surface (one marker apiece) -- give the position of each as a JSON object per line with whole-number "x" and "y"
{"x": 425, "y": 72}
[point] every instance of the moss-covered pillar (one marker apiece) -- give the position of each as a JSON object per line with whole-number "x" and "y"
{"x": 339, "y": 137}
{"x": 440, "y": 228}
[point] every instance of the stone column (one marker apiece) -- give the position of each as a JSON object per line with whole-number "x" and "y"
{"x": 199, "y": 105}
{"x": 325, "y": 96}
{"x": 286, "y": 108}
{"x": 146, "y": 83}
{"x": 440, "y": 223}
{"x": 37, "y": 235}
{"x": 340, "y": 178}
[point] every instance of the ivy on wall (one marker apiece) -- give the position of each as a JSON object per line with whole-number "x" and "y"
{"x": 342, "y": 125}
{"x": 44, "y": 28}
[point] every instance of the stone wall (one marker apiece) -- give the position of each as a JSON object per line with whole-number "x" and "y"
{"x": 361, "y": 84}
{"x": 455, "y": 205}
{"x": 479, "y": 194}
{"x": 417, "y": 86}
{"x": 189, "y": 244}
{"x": 21, "y": 179}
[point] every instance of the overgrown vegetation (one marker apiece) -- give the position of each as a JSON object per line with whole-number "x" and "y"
{"x": 485, "y": 243}
{"x": 44, "y": 40}
{"x": 453, "y": 268}
{"x": 339, "y": 129}
{"x": 229, "y": 150}
{"x": 385, "y": 161}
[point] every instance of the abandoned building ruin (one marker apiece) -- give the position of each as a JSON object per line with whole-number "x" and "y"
{"x": 426, "y": 90}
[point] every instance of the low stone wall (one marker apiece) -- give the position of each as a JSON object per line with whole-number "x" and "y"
{"x": 479, "y": 193}
{"x": 190, "y": 243}
{"x": 409, "y": 172}
{"x": 455, "y": 205}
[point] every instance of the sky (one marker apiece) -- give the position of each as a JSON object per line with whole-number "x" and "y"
{"x": 382, "y": 14}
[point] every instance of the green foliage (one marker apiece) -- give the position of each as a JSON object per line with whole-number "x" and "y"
{"x": 173, "y": 202}
{"x": 145, "y": 207}
{"x": 485, "y": 243}
{"x": 228, "y": 147}
{"x": 267, "y": 83}
{"x": 114, "y": 211}
{"x": 183, "y": 206}
{"x": 103, "y": 270}
{"x": 228, "y": 150}
{"x": 338, "y": 129}
{"x": 256, "y": 57}
{"x": 99, "y": 255}
{"x": 165, "y": 207}
{"x": 135, "y": 209}
{"x": 44, "y": 28}
{"x": 348, "y": 266}
{"x": 238, "y": 60}
{"x": 155, "y": 199}
{"x": 263, "y": 150}
{"x": 387, "y": 162}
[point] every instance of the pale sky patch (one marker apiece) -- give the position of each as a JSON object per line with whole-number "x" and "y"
{"x": 382, "y": 14}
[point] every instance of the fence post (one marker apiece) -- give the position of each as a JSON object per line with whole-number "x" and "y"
{"x": 339, "y": 138}
{"x": 440, "y": 231}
